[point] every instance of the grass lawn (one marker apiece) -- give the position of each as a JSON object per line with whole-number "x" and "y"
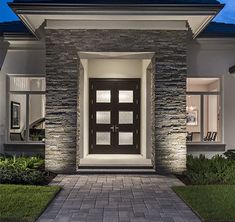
{"x": 213, "y": 202}
{"x": 24, "y": 203}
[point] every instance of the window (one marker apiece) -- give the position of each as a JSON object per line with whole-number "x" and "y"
{"x": 26, "y": 109}
{"x": 203, "y": 110}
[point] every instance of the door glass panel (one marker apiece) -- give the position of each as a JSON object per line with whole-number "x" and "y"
{"x": 103, "y": 138}
{"x": 125, "y": 96}
{"x": 103, "y": 117}
{"x": 125, "y": 138}
{"x": 103, "y": 96}
{"x": 125, "y": 117}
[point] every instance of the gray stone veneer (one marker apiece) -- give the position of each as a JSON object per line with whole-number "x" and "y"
{"x": 62, "y": 98}
{"x": 169, "y": 107}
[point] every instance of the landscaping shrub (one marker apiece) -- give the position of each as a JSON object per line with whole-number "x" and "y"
{"x": 218, "y": 170}
{"x": 230, "y": 154}
{"x": 22, "y": 162}
{"x": 22, "y": 170}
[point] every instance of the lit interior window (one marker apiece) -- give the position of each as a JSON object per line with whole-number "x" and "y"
{"x": 203, "y": 110}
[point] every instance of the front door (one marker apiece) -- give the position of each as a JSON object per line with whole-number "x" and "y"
{"x": 114, "y": 116}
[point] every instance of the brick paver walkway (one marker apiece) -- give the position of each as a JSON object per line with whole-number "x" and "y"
{"x": 117, "y": 198}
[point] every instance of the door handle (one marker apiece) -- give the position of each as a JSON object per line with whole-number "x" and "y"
{"x": 112, "y": 128}
{"x": 116, "y": 128}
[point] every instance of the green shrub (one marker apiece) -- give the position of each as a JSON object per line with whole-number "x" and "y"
{"x": 13, "y": 175}
{"x": 230, "y": 154}
{"x": 23, "y": 162}
{"x": 22, "y": 170}
{"x": 218, "y": 170}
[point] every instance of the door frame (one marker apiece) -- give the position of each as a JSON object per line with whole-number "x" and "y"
{"x": 138, "y": 138}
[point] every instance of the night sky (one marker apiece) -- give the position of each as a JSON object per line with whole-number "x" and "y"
{"x": 227, "y": 15}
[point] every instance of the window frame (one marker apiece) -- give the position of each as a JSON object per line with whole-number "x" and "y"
{"x": 202, "y": 94}
{"x": 27, "y": 94}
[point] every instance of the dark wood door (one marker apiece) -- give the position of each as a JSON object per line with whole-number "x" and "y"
{"x": 114, "y": 116}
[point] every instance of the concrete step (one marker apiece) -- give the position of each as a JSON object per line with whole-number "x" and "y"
{"x": 114, "y": 160}
{"x": 105, "y": 170}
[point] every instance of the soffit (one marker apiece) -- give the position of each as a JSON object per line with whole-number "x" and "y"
{"x": 197, "y": 17}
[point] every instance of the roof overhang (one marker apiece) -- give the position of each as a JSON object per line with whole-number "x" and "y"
{"x": 197, "y": 17}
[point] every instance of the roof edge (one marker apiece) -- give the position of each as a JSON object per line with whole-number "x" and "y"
{"x": 114, "y": 5}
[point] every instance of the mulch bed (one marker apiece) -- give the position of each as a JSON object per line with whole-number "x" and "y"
{"x": 49, "y": 177}
{"x": 184, "y": 179}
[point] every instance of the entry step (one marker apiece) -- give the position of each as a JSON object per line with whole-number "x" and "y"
{"x": 113, "y": 161}
{"x": 117, "y": 170}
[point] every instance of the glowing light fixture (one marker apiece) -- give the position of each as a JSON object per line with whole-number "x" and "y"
{"x": 189, "y": 106}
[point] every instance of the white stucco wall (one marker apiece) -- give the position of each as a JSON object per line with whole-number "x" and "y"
{"x": 213, "y": 58}
{"x": 114, "y": 68}
{"x": 24, "y": 58}
{"x": 145, "y": 110}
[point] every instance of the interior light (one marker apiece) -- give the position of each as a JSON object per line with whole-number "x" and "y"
{"x": 192, "y": 108}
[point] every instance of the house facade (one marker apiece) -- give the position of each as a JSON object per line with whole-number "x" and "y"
{"x": 115, "y": 84}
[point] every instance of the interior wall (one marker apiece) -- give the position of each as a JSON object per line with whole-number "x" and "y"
{"x": 196, "y": 87}
{"x": 36, "y": 102}
{"x": 214, "y": 109}
{"x": 113, "y": 68}
{"x": 214, "y": 86}
{"x": 212, "y": 113}
{"x": 36, "y": 108}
